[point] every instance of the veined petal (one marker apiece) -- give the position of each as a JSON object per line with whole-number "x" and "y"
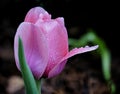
{"x": 56, "y": 35}
{"x": 57, "y": 39}
{"x": 35, "y": 48}
{"x": 59, "y": 67}
{"x": 34, "y": 14}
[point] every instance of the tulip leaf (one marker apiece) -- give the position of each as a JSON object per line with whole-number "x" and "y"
{"x": 29, "y": 81}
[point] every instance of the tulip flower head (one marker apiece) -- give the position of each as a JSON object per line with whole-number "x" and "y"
{"x": 45, "y": 43}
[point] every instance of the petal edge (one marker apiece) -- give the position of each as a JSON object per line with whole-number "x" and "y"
{"x": 59, "y": 67}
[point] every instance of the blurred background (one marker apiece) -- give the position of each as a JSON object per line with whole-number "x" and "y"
{"x": 83, "y": 73}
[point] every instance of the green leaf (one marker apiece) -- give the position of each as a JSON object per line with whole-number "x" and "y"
{"x": 29, "y": 81}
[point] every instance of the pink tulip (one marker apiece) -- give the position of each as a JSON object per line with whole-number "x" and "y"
{"x": 45, "y": 43}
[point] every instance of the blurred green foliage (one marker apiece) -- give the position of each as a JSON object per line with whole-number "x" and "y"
{"x": 103, "y": 51}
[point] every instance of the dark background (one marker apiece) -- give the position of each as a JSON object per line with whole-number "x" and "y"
{"x": 102, "y": 17}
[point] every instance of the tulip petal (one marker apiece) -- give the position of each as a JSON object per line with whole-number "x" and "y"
{"x": 35, "y": 48}
{"x": 76, "y": 51}
{"x": 59, "y": 67}
{"x": 56, "y": 35}
{"x": 60, "y": 20}
{"x": 33, "y": 14}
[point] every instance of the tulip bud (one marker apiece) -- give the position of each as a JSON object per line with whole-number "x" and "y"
{"x": 45, "y": 43}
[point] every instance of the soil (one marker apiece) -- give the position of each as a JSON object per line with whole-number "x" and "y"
{"x": 82, "y": 73}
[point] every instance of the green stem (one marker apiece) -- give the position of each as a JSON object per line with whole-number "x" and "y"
{"x": 38, "y": 84}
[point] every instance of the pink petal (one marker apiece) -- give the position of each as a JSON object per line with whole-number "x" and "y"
{"x": 34, "y": 13}
{"x": 60, "y": 20}
{"x": 56, "y": 35}
{"x": 35, "y": 48}
{"x": 76, "y": 51}
{"x": 59, "y": 67}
